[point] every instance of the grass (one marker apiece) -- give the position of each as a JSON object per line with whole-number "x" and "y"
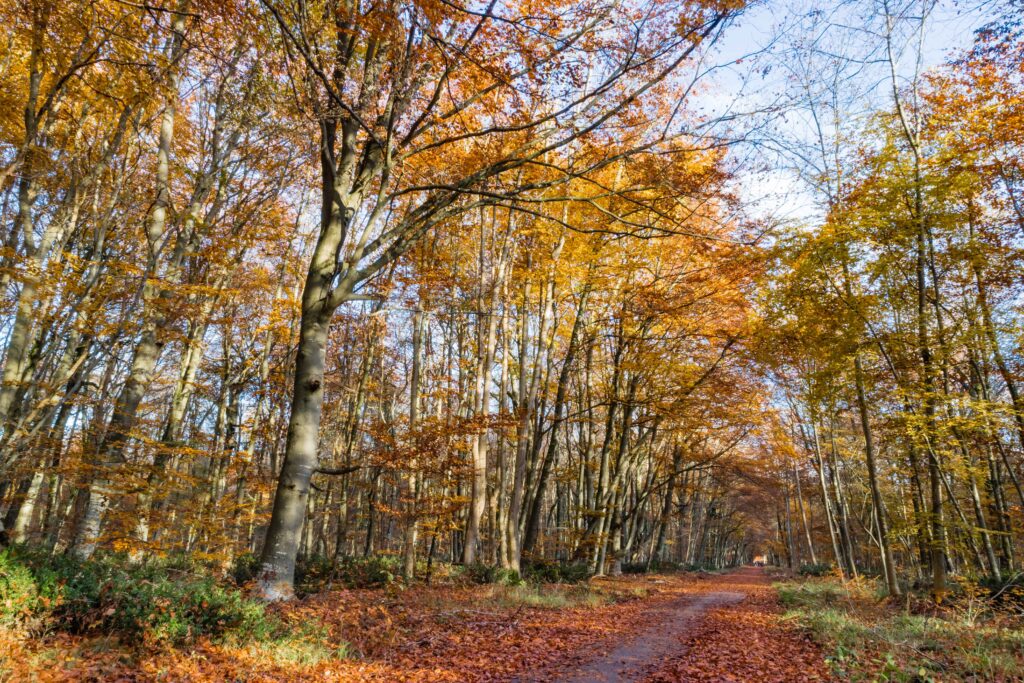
{"x": 550, "y": 596}
{"x": 869, "y": 639}
{"x": 306, "y": 646}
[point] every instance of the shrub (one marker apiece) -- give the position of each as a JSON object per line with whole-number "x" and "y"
{"x": 1007, "y": 594}
{"x": 312, "y": 572}
{"x": 155, "y": 601}
{"x": 507, "y": 577}
{"x": 655, "y": 566}
{"x": 365, "y": 572}
{"x": 541, "y": 571}
{"x": 244, "y": 569}
{"x": 820, "y": 569}
{"x": 481, "y": 573}
{"x": 20, "y": 601}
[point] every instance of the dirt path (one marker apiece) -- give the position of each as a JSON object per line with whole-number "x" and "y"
{"x": 632, "y": 659}
{"x": 724, "y": 630}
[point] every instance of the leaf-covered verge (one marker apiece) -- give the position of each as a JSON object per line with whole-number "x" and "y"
{"x": 976, "y": 636}
{"x": 109, "y": 619}
{"x": 175, "y": 601}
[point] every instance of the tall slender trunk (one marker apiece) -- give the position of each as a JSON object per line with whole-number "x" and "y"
{"x": 877, "y": 505}
{"x": 844, "y": 522}
{"x": 513, "y": 529}
{"x": 411, "y": 481}
{"x": 19, "y": 339}
{"x": 533, "y": 519}
{"x": 111, "y": 452}
{"x": 503, "y": 511}
{"x": 826, "y": 497}
{"x": 803, "y": 515}
{"x": 658, "y": 548}
{"x": 487, "y": 328}
{"x": 938, "y": 540}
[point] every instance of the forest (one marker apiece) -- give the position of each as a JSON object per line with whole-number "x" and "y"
{"x": 458, "y": 340}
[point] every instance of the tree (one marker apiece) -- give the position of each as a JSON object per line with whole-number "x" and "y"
{"x": 393, "y": 90}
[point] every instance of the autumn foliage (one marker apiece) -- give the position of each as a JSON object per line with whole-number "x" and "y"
{"x": 302, "y": 294}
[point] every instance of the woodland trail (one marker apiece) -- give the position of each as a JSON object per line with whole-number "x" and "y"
{"x": 723, "y": 630}
{"x": 659, "y": 628}
{"x": 630, "y": 660}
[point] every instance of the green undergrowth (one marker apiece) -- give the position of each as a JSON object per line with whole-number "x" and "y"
{"x": 534, "y": 573}
{"x": 173, "y": 602}
{"x": 819, "y": 569}
{"x": 167, "y": 601}
{"x": 662, "y": 567}
{"x": 317, "y": 573}
{"x": 555, "y": 596}
{"x": 867, "y": 638}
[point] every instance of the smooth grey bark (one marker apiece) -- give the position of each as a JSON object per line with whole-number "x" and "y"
{"x": 487, "y": 328}
{"x": 19, "y": 340}
{"x": 891, "y": 580}
{"x": 657, "y": 553}
{"x": 533, "y": 519}
{"x": 277, "y": 563}
{"x": 986, "y": 534}
{"x": 415, "y": 381}
{"x": 512, "y": 529}
{"x": 503, "y": 478}
{"x": 877, "y": 504}
{"x": 617, "y": 468}
{"x": 588, "y": 543}
{"x": 324, "y": 290}
{"x": 845, "y": 537}
{"x": 803, "y": 514}
{"x": 110, "y": 453}
{"x": 833, "y": 523}
{"x": 912, "y": 137}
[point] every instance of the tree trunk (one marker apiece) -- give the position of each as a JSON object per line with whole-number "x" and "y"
{"x": 411, "y": 522}
{"x": 533, "y": 519}
{"x": 891, "y": 580}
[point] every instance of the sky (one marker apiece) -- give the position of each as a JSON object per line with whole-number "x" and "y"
{"x": 750, "y": 79}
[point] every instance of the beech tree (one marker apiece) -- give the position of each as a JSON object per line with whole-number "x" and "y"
{"x": 397, "y": 90}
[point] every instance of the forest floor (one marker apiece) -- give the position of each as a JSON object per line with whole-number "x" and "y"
{"x": 654, "y": 628}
